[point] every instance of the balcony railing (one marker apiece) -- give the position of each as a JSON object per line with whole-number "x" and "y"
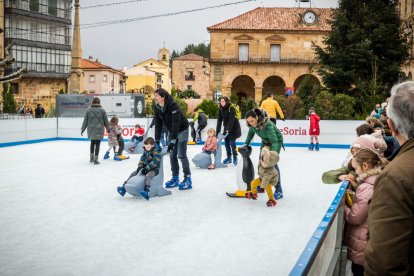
{"x": 282, "y": 60}
{"x": 189, "y": 78}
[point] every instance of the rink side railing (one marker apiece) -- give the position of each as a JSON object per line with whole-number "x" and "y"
{"x": 324, "y": 254}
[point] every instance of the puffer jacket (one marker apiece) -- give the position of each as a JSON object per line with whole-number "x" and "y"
{"x": 227, "y": 117}
{"x": 210, "y": 144}
{"x": 271, "y": 106}
{"x": 267, "y": 172}
{"x": 201, "y": 118}
{"x": 150, "y": 160}
{"x": 114, "y": 131}
{"x": 267, "y": 130}
{"x": 314, "y": 124}
{"x": 95, "y": 120}
{"x": 170, "y": 116}
{"x": 356, "y": 217}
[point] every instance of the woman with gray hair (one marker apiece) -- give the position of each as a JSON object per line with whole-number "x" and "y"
{"x": 390, "y": 248}
{"x": 95, "y": 120}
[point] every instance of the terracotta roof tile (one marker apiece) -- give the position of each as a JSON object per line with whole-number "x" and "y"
{"x": 276, "y": 19}
{"x": 91, "y": 64}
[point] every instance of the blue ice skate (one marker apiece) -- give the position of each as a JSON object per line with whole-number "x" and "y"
{"x": 172, "y": 183}
{"x": 186, "y": 184}
{"x": 121, "y": 190}
{"x": 106, "y": 156}
{"x": 144, "y": 194}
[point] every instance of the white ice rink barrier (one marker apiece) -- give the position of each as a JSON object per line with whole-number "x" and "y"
{"x": 323, "y": 255}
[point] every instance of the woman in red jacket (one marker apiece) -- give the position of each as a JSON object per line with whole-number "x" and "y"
{"x": 314, "y": 130}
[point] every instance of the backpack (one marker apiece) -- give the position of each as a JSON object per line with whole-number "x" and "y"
{"x": 236, "y": 110}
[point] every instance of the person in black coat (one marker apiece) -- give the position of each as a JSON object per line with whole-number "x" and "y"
{"x": 39, "y": 111}
{"x": 227, "y": 117}
{"x": 168, "y": 114}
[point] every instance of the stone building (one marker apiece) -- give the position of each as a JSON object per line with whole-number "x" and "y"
{"x": 157, "y": 70}
{"x": 191, "y": 72}
{"x": 407, "y": 15}
{"x": 102, "y": 79}
{"x": 40, "y": 33}
{"x": 265, "y": 50}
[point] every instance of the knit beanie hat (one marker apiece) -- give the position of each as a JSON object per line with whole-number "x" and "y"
{"x": 363, "y": 142}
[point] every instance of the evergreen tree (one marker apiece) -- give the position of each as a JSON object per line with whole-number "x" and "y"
{"x": 364, "y": 49}
{"x": 9, "y": 104}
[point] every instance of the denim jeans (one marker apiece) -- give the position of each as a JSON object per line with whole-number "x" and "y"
{"x": 164, "y": 137}
{"x": 180, "y": 152}
{"x": 230, "y": 147}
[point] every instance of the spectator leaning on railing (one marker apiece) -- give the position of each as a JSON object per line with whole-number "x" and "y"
{"x": 390, "y": 249}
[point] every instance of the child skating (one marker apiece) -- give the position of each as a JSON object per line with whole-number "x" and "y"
{"x": 114, "y": 131}
{"x": 210, "y": 146}
{"x": 149, "y": 165}
{"x": 137, "y": 137}
{"x": 268, "y": 176}
{"x": 314, "y": 130}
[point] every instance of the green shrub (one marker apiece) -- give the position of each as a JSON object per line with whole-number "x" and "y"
{"x": 183, "y": 105}
{"x": 246, "y": 105}
{"x": 343, "y": 107}
{"x": 210, "y": 108}
{"x": 9, "y": 104}
{"x": 234, "y": 99}
{"x": 149, "y": 108}
{"x": 188, "y": 94}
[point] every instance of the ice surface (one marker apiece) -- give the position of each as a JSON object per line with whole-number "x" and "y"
{"x": 61, "y": 215}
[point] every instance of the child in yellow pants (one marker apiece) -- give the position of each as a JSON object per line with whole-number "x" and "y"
{"x": 268, "y": 176}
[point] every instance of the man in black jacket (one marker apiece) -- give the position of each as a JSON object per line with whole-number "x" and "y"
{"x": 168, "y": 114}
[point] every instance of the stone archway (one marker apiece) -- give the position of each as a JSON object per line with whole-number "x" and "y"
{"x": 275, "y": 85}
{"x": 242, "y": 87}
{"x": 301, "y": 78}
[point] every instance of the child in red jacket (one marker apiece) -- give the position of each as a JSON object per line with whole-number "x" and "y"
{"x": 314, "y": 130}
{"x": 138, "y": 136}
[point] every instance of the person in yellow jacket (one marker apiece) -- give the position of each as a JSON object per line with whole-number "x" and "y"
{"x": 272, "y": 106}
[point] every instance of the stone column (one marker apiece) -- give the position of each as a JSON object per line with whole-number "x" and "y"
{"x": 258, "y": 94}
{"x": 76, "y": 74}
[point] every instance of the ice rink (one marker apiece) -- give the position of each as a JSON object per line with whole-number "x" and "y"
{"x": 61, "y": 215}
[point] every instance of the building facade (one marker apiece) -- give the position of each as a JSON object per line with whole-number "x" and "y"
{"x": 265, "y": 50}
{"x": 102, "y": 79}
{"x": 191, "y": 72}
{"x": 407, "y": 16}
{"x": 141, "y": 73}
{"x": 40, "y": 33}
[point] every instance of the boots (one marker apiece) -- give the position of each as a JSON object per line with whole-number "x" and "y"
{"x": 116, "y": 158}
{"x": 235, "y": 161}
{"x": 95, "y": 160}
{"x": 271, "y": 203}
{"x": 317, "y": 147}
{"x": 145, "y": 193}
{"x": 311, "y": 147}
{"x": 186, "y": 184}
{"x": 173, "y": 182}
{"x": 251, "y": 195}
{"x": 91, "y": 158}
{"x": 227, "y": 160}
{"x": 121, "y": 190}
{"x": 106, "y": 156}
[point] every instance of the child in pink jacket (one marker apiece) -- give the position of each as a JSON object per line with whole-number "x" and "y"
{"x": 210, "y": 146}
{"x": 367, "y": 165}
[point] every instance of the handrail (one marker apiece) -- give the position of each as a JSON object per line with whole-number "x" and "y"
{"x": 310, "y": 253}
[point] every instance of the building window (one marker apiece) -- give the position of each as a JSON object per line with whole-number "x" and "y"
{"x": 243, "y": 52}
{"x": 158, "y": 86}
{"x": 105, "y": 78}
{"x": 92, "y": 78}
{"x": 275, "y": 52}
{"x": 189, "y": 87}
{"x": 164, "y": 57}
{"x": 34, "y": 5}
{"x": 159, "y": 78}
{"x": 52, "y": 8}
{"x": 189, "y": 76}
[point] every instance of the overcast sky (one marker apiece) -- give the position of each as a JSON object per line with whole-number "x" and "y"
{"x": 126, "y": 44}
